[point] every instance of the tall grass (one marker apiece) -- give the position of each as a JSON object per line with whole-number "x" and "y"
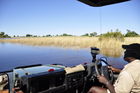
{"x": 108, "y": 47}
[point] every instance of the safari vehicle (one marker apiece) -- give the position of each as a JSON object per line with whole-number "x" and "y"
{"x": 58, "y": 78}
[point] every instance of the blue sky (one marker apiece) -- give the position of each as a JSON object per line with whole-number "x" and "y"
{"x": 42, "y": 17}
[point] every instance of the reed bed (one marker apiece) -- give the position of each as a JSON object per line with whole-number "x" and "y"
{"x": 108, "y": 47}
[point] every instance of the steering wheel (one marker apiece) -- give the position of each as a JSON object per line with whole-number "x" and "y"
{"x": 104, "y": 70}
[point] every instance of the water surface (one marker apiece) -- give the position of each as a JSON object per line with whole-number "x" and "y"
{"x": 13, "y": 55}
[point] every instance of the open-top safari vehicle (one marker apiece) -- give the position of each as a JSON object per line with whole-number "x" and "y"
{"x": 58, "y": 78}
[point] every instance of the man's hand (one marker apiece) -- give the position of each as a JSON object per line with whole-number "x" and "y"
{"x": 102, "y": 79}
{"x": 17, "y": 90}
{"x": 116, "y": 70}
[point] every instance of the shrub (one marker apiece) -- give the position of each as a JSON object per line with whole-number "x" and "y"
{"x": 115, "y": 35}
{"x": 131, "y": 34}
{"x": 3, "y": 35}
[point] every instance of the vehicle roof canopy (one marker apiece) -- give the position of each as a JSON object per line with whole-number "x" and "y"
{"x": 99, "y": 3}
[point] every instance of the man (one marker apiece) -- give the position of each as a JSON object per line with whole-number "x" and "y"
{"x": 129, "y": 78}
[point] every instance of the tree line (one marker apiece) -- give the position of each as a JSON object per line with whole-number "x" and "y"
{"x": 111, "y": 34}
{"x": 3, "y": 35}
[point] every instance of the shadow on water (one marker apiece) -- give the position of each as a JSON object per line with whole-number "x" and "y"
{"x": 13, "y": 55}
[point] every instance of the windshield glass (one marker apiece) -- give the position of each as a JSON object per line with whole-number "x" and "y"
{"x": 62, "y": 31}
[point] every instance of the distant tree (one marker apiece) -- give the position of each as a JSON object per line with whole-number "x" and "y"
{"x": 6, "y": 36}
{"x": 29, "y": 35}
{"x": 93, "y": 34}
{"x": 66, "y": 34}
{"x": 131, "y": 33}
{"x": 35, "y": 36}
{"x": 86, "y": 34}
{"x": 3, "y": 35}
{"x": 48, "y": 35}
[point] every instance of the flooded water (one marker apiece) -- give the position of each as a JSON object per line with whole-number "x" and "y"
{"x": 13, "y": 55}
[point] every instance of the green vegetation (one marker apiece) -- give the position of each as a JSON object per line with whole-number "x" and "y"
{"x": 115, "y": 35}
{"x": 29, "y": 35}
{"x": 66, "y": 34}
{"x": 86, "y": 34}
{"x": 131, "y": 34}
{"x": 110, "y": 34}
{"x": 93, "y": 34}
{"x": 48, "y": 35}
{"x": 3, "y": 35}
{"x": 118, "y": 35}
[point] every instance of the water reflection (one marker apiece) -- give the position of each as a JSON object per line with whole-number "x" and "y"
{"x": 13, "y": 55}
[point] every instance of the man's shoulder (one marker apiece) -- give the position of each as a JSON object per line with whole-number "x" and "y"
{"x": 133, "y": 68}
{"x": 134, "y": 63}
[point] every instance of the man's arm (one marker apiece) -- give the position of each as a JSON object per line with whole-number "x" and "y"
{"x": 103, "y": 80}
{"x": 115, "y": 70}
{"x": 110, "y": 87}
{"x": 123, "y": 84}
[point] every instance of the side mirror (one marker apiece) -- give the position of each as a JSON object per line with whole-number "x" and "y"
{"x": 4, "y": 83}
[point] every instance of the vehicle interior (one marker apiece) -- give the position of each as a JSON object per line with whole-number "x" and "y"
{"x": 57, "y": 78}
{"x": 59, "y": 81}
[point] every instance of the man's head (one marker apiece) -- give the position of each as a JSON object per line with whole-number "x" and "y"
{"x": 132, "y": 52}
